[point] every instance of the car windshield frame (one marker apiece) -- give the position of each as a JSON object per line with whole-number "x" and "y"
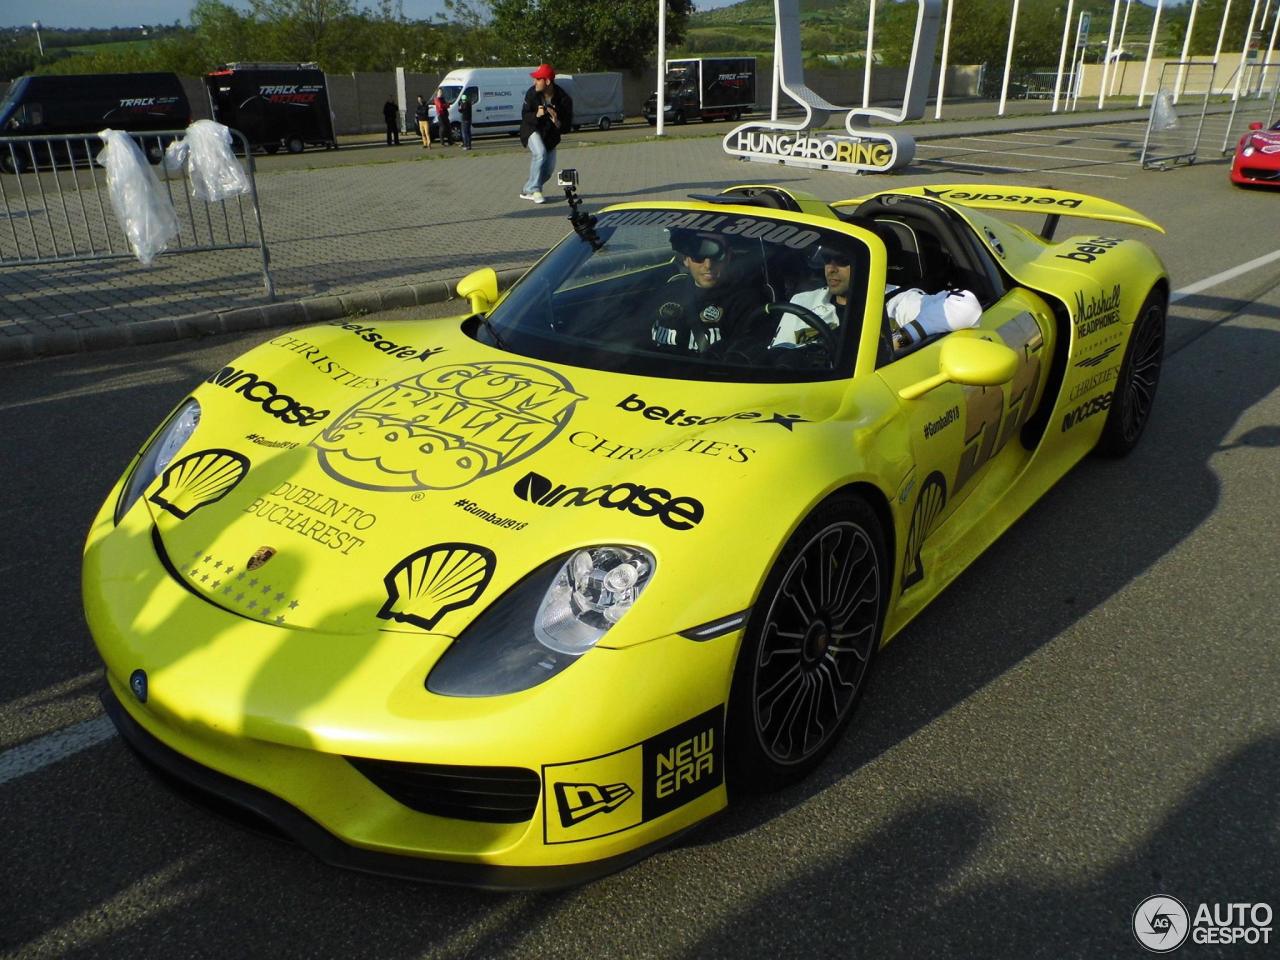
{"x": 602, "y": 298}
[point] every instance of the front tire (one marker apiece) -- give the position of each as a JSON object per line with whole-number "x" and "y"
{"x": 808, "y": 645}
{"x": 604, "y": 123}
{"x": 1135, "y": 391}
{"x": 294, "y": 145}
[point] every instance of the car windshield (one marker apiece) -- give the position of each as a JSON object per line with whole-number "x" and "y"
{"x": 450, "y": 93}
{"x": 11, "y": 97}
{"x": 692, "y": 295}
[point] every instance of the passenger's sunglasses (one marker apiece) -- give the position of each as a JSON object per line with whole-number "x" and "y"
{"x": 835, "y": 259}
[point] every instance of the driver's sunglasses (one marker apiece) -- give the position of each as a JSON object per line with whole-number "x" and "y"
{"x": 835, "y": 259}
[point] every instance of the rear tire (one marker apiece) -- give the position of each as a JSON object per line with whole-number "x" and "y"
{"x": 604, "y": 123}
{"x": 808, "y": 646}
{"x": 294, "y": 145}
{"x": 1135, "y": 391}
{"x": 13, "y": 161}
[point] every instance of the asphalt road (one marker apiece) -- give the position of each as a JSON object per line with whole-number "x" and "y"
{"x": 1090, "y": 715}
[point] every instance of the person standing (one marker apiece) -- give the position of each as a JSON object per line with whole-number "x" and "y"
{"x": 464, "y": 114}
{"x": 444, "y": 129}
{"x": 391, "y": 114}
{"x": 422, "y": 113}
{"x": 547, "y": 112}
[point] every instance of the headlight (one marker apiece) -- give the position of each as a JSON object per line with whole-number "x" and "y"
{"x": 544, "y": 623}
{"x": 1247, "y": 151}
{"x": 158, "y": 454}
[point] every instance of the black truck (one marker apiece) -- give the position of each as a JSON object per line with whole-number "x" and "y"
{"x": 709, "y": 88}
{"x": 48, "y": 106}
{"x": 273, "y": 104}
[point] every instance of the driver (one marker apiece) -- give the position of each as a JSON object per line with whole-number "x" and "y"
{"x": 711, "y": 300}
{"x": 913, "y": 314}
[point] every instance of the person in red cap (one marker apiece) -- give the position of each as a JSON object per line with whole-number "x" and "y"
{"x": 547, "y": 112}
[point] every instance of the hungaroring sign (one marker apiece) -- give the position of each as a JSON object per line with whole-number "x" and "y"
{"x": 858, "y": 150}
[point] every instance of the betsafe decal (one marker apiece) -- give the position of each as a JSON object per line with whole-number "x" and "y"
{"x": 383, "y": 344}
{"x": 677, "y": 513}
{"x": 198, "y": 480}
{"x": 446, "y": 427}
{"x": 426, "y": 585}
{"x": 683, "y": 418}
{"x": 995, "y": 196}
{"x": 586, "y": 799}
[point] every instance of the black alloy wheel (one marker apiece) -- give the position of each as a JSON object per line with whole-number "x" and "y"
{"x": 1135, "y": 391}
{"x": 808, "y": 646}
{"x": 294, "y": 145}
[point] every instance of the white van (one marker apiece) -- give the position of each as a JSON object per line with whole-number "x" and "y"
{"x": 496, "y": 95}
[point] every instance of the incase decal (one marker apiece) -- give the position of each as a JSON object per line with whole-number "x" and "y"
{"x": 198, "y": 480}
{"x": 426, "y": 585}
{"x": 677, "y": 513}
{"x": 587, "y": 799}
{"x": 1086, "y": 410}
{"x": 264, "y": 393}
{"x": 446, "y": 427}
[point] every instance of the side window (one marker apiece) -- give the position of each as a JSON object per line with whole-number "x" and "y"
{"x": 473, "y": 94}
{"x": 34, "y": 115}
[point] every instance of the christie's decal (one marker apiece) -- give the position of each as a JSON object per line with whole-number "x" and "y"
{"x": 1097, "y": 313}
{"x": 594, "y": 798}
{"x": 446, "y": 427}
{"x": 309, "y": 513}
{"x": 268, "y": 396}
{"x": 383, "y": 344}
{"x": 594, "y": 443}
{"x": 677, "y": 513}
{"x": 325, "y": 364}
{"x": 426, "y": 585}
{"x": 1093, "y": 382}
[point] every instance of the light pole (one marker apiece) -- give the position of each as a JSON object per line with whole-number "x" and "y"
{"x": 39, "y": 43}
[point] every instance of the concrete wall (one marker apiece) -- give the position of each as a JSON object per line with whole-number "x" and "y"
{"x": 1196, "y": 79}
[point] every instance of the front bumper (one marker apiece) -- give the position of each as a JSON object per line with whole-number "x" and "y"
{"x": 625, "y": 747}
{"x": 218, "y": 790}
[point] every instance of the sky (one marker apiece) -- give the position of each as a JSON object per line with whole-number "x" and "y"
{"x": 123, "y": 13}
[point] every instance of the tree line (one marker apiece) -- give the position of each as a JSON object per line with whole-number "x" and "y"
{"x": 593, "y": 34}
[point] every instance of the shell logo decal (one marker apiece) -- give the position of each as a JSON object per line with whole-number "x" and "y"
{"x": 446, "y": 427}
{"x": 198, "y": 480}
{"x": 426, "y": 585}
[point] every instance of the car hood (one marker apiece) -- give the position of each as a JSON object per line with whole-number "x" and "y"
{"x": 402, "y": 477}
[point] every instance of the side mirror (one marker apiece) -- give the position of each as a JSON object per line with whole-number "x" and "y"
{"x": 970, "y": 361}
{"x": 1256, "y": 125}
{"x": 481, "y": 288}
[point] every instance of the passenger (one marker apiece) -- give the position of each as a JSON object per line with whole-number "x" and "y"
{"x": 712, "y": 300}
{"x": 913, "y": 314}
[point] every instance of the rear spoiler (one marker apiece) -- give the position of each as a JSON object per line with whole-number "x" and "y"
{"x": 1054, "y": 204}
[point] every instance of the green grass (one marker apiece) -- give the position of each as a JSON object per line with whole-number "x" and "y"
{"x": 117, "y": 46}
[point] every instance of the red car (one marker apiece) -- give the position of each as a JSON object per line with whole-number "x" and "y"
{"x": 1257, "y": 159}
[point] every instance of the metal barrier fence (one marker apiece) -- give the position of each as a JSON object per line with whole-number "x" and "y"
{"x": 55, "y": 206}
{"x": 1176, "y": 121}
{"x": 1256, "y": 104}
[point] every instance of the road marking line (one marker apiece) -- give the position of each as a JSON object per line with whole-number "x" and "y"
{"x": 1005, "y": 168}
{"x": 1224, "y": 276}
{"x": 32, "y": 756}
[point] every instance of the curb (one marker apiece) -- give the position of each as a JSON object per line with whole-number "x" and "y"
{"x": 211, "y": 322}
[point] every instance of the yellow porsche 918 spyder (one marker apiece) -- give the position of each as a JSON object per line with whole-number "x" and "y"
{"x": 514, "y": 598}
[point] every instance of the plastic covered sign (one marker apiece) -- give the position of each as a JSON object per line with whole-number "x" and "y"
{"x": 213, "y": 169}
{"x": 141, "y": 207}
{"x": 1163, "y": 114}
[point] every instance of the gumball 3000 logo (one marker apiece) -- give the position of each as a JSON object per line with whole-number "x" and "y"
{"x": 446, "y": 427}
